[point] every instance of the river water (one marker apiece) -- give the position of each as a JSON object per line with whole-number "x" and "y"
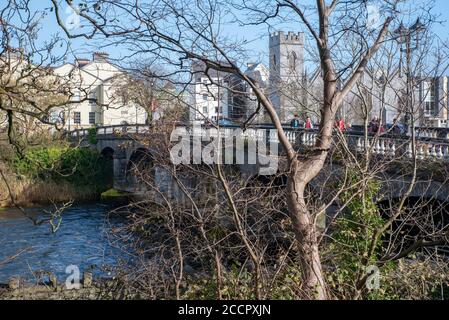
{"x": 81, "y": 241}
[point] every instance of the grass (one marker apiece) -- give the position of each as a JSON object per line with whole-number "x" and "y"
{"x": 114, "y": 195}
{"x": 28, "y": 193}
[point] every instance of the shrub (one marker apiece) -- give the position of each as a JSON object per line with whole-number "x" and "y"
{"x": 79, "y": 167}
{"x": 92, "y": 135}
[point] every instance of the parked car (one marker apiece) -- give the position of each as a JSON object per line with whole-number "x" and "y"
{"x": 226, "y": 122}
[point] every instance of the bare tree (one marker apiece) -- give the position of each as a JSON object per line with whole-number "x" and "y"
{"x": 176, "y": 31}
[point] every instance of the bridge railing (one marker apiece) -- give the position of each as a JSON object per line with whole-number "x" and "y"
{"x": 422, "y": 132}
{"x": 385, "y": 145}
{"x": 391, "y": 145}
{"x": 112, "y": 130}
{"x": 427, "y": 146}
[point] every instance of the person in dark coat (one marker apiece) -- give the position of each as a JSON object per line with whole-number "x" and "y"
{"x": 295, "y": 122}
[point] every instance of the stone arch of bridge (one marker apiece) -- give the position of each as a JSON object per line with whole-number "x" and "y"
{"x": 140, "y": 166}
{"x": 107, "y": 154}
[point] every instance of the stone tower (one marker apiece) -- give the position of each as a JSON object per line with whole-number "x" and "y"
{"x": 286, "y": 72}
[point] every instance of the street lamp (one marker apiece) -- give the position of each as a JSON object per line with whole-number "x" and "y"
{"x": 405, "y": 38}
{"x": 151, "y": 82}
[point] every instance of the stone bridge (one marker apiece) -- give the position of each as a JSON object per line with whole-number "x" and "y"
{"x": 118, "y": 144}
{"x": 121, "y": 145}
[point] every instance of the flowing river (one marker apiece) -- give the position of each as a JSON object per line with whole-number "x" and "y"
{"x": 82, "y": 240}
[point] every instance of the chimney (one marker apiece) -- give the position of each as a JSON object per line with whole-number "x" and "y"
{"x": 100, "y": 56}
{"x": 81, "y": 62}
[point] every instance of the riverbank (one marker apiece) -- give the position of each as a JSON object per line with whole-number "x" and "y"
{"x": 89, "y": 289}
{"x": 27, "y": 193}
{"x": 47, "y": 175}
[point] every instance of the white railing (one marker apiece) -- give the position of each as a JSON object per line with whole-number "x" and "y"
{"x": 428, "y": 147}
{"x": 425, "y": 149}
{"x": 433, "y": 133}
{"x": 112, "y": 130}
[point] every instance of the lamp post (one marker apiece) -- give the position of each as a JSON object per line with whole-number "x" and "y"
{"x": 405, "y": 37}
{"x": 152, "y": 82}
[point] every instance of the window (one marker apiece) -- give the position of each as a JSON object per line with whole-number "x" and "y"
{"x": 124, "y": 112}
{"x": 205, "y": 111}
{"x": 204, "y": 83}
{"x": 205, "y": 97}
{"x": 91, "y": 117}
{"x": 292, "y": 61}
{"x": 62, "y": 117}
{"x": 93, "y": 97}
{"x": 76, "y": 95}
{"x": 77, "y": 117}
{"x": 429, "y": 97}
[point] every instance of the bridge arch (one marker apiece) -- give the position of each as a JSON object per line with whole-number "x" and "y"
{"x": 107, "y": 155}
{"x": 139, "y": 167}
{"x": 421, "y": 217}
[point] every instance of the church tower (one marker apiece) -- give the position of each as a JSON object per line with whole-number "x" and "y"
{"x": 286, "y": 72}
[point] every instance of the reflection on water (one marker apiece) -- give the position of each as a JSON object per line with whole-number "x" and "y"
{"x": 81, "y": 240}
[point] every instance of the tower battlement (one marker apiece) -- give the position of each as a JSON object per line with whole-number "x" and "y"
{"x": 279, "y": 37}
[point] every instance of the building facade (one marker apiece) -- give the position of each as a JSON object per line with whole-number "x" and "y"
{"x": 94, "y": 98}
{"x": 260, "y": 75}
{"x": 433, "y": 95}
{"x": 209, "y": 93}
{"x": 380, "y": 93}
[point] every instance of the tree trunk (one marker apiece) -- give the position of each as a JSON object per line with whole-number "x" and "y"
{"x": 302, "y": 171}
{"x": 313, "y": 282}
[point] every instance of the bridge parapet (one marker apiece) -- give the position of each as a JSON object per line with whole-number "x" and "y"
{"x": 388, "y": 145}
{"x": 427, "y": 147}
{"x": 111, "y": 130}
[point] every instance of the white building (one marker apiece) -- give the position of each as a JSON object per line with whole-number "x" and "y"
{"x": 260, "y": 74}
{"x": 210, "y": 96}
{"x": 29, "y": 90}
{"x": 385, "y": 95}
{"x": 378, "y": 93}
{"x": 433, "y": 94}
{"x": 94, "y": 98}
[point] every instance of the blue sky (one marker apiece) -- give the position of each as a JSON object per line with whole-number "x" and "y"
{"x": 442, "y": 9}
{"x": 256, "y": 37}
